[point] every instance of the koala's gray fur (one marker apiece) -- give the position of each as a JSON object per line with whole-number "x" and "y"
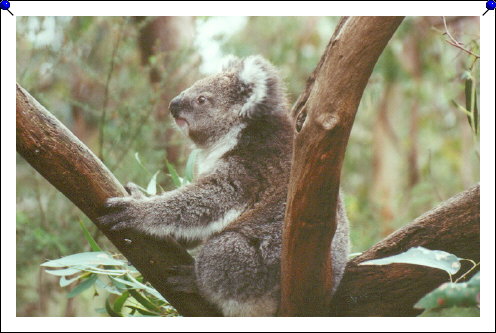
{"x": 239, "y": 118}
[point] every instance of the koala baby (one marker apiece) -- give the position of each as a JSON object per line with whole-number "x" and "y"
{"x": 239, "y": 119}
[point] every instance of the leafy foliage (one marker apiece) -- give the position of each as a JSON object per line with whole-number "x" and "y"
{"x": 99, "y": 270}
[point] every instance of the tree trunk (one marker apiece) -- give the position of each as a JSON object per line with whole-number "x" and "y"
{"x": 324, "y": 116}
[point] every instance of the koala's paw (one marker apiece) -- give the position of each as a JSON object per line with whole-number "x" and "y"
{"x": 181, "y": 279}
{"x": 124, "y": 213}
{"x": 134, "y": 190}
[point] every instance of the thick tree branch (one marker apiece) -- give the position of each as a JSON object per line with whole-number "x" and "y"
{"x": 392, "y": 290}
{"x": 324, "y": 116}
{"x": 75, "y": 171}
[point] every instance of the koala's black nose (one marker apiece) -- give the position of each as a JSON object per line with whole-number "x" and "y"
{"x": 175, "y": 106}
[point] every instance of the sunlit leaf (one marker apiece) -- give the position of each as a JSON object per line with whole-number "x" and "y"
{"x": 151, "y": 189}
{"x": 190, "y": 165}
{"x": 174, "y": 175}
{"x": 422, "y": 256}
{"x": 63, "y": 272}
{"x": 85, "y": 258}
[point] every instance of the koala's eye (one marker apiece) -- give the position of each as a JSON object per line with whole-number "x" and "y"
{"x": 201, "y": 99}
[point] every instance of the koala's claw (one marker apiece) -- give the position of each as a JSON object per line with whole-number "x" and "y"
{"x": 134, "y": 191}
{"x": 123, "y": 214}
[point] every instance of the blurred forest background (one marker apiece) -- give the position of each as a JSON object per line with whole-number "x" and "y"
{"x": 110, "y": 79}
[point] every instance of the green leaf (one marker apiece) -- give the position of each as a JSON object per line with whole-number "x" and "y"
{"x": 93, "y": 245}
{"x": 108, "y": 287}
{"x": 131, "y": 284}
{"x": 64, "y": 282}
{"x": 83, "y": 286}
{"x": 111, "y": 312}
{"x": 151, "y": 189}
{"x": 474, "y": 281}
{"x": 471, "y": 103}
{"x": 190, "y": 165}
{"x": 144, "y": 301}
{"x": 84, "y": 259}
{"x": 119, "y": 302}
{"x": 450, "y": 294}
{"x": 422, "y": 256}
{"x": 63, "y": 272}
{"x": 143, "y": 311}
{"x": 452, "y": 312}
{"x": 174, "y": 175}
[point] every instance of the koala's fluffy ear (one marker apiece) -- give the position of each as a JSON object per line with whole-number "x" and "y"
{"x": 231, "y": 63}
{"x": 261, "y": 81}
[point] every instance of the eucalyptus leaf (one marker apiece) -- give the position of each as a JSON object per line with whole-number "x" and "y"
{"x": 190, "y": 165}
{"x": 143, "y": 300}
{"x": 119, "y": 302}
{"x": 64, "y": 282}
{"x": 131, "y": 284}
{"x": 94, "y": 246}
{"x": 111, "y": 312}
{"x": 90, "y": 281}
{"x": 176, "y": 180}
{"x": 63, "y": 272}
{"x": 422, "y": 256}
{"x": 108, "y": 287}
{"x": 151, "y": 189}
{"x": 144, "y": 312}
{"x": 84, "y": 259}
{"x": 450, "y": 294}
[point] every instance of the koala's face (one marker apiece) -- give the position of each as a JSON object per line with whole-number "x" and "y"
{"x": 208, "y": 109}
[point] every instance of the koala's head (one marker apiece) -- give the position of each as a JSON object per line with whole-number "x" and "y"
{"x": 243, "y": 90}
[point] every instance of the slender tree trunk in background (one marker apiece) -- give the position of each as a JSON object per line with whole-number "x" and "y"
{"x": 385, "y": 162}
{"x": 324, "y": 116}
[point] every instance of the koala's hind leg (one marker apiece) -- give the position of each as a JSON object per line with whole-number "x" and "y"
{"x": 232, "y": 274}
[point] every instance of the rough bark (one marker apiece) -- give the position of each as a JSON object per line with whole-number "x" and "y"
{"x": 324, "y": 116}
{"x": 75, "y": 171}
{"x": 392, "y": 290}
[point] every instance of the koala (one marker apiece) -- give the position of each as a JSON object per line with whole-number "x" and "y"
{"x": 239, "y": 119}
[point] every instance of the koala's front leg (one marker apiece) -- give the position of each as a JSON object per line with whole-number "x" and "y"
{"x": 131, "y": 212}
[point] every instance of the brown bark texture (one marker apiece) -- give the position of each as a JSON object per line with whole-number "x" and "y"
{"x": 76, "y": 172}
{"x": 324, "y": 115}
{"x": 393, "y": 290}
